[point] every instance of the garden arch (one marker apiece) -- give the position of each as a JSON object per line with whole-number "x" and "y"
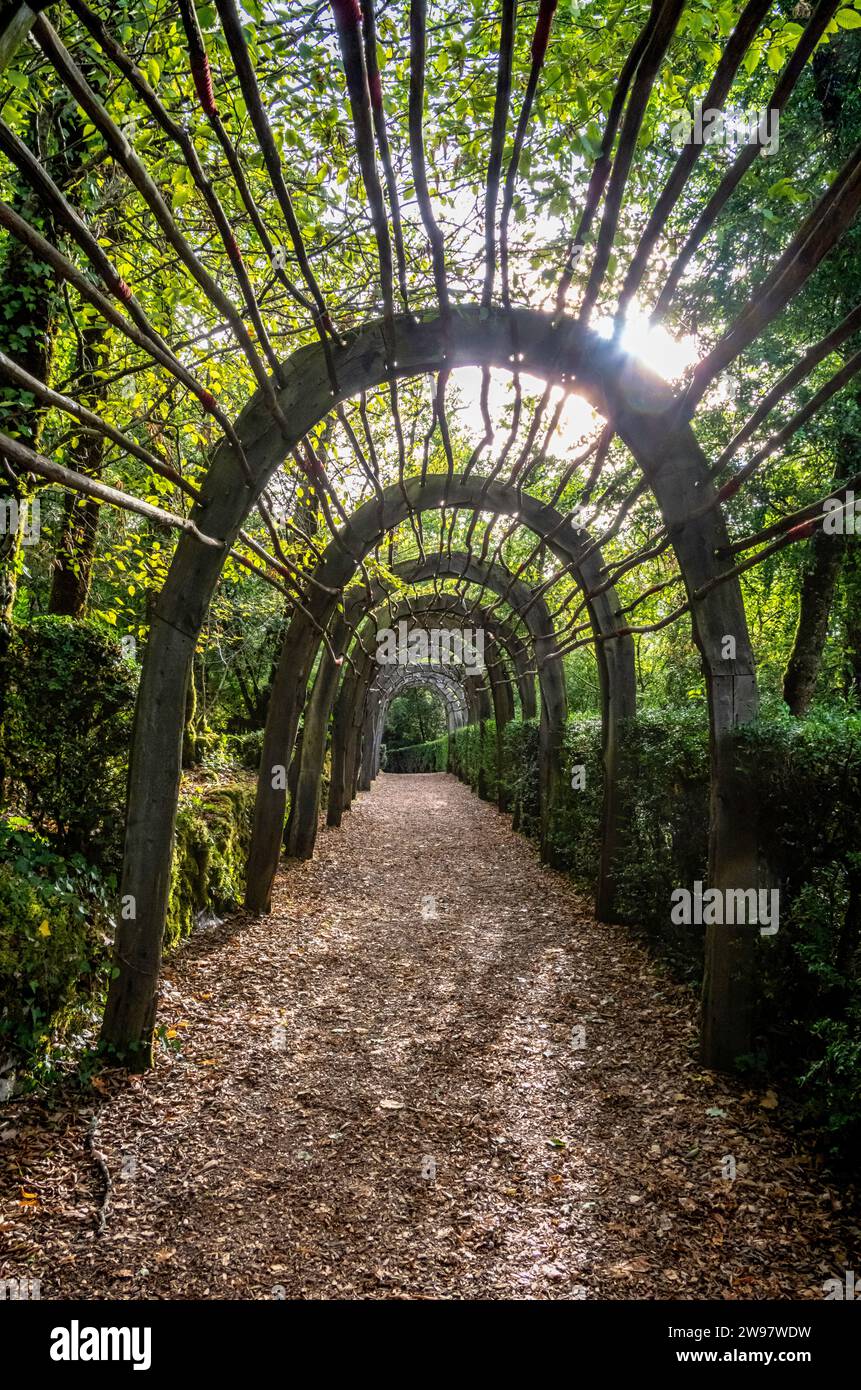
{"x": 346, "y": 729}
{"x": 643, "y": 411}
{"x": 389, "y": 686}
{"x": 413, "y": 572}
{"x": 428, "y": 611}
{"x": 649, "y": 417}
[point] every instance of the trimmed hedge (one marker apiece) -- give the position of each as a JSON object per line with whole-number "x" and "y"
{"x": 804, "y": 788}
{"x": 472, "y": 757}
{"x": 419, "y": 757}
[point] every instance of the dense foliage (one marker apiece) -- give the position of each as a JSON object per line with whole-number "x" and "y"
{"x": 806, "y": 782}
{"x": 70, "y": 697}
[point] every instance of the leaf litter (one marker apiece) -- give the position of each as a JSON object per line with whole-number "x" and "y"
{"x": 364, "y": 1100}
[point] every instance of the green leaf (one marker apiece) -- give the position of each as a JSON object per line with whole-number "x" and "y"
{"x": 775, "y": 58}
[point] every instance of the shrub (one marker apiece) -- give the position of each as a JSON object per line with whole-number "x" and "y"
{"x": 213, "y": 833}
{"x": 520, "y": 770}
{"x": 420, "y": 757}
{"x": 574, "y": 832}
{"x": 66, "y": 734}
{"x": 664, "y": 783}
{"x": 472, "y": 757}
{"x": 54, "y": 942}
{"x": 245, "y": 750}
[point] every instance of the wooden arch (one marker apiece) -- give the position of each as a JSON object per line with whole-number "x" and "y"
{"x": 493, "y": 577}
{"x": 649, "y": 417}
{"x": 495, "y": 683}
{"x": 302, "y": 823}
{"x": 359, "y": 536}
{"x": 643, "y": 410}
{"x": 443, "y": 682}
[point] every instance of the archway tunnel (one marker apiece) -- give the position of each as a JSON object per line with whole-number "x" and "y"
{"x": 390, "y": 434}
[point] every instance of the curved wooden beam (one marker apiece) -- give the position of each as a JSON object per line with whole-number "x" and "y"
{"x": 640, "y": 406}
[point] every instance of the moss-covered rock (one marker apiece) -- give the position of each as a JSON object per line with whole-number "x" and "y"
{"x": 213, "y": 831}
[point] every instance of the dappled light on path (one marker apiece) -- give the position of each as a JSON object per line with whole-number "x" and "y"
{"x": 429, "y": 1073}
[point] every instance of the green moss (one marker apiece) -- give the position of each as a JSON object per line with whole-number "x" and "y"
{"x": 213, "y": 832}
{"x": 54, "y": 945}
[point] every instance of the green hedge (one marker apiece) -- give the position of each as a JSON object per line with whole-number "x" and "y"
{"x": 804, "y": 788}
{"x": 70, "y": 696}
{"x": 472, "y": 757}
{"x": 56, "y": 921}
{"x": 64, "y": 743}
{"x": 54, "y": 944}
{"x": 419, "y": 757}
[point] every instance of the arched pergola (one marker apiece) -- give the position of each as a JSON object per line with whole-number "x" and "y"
{"x": 347, "y": 731}
{"x": 428, "y": 612}
{"x": 643, "y": 411}
{"x": 482, "y": 693}
{"x": 553, "y": 703}
{"x": 436, "y": 334}
{"x": 303, "y": 821}
{"x": 388, "y": 686}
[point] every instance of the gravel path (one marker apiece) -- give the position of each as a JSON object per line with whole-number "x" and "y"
{"x": 429, "y": 1073}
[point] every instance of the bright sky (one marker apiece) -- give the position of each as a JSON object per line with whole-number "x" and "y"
{"x": 655, "y": 347}
{"x": 668, "y": 357}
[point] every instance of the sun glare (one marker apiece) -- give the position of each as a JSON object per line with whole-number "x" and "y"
{"x": 657, "y": 349}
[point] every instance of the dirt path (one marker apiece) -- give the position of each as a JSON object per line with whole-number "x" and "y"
{"x": 413, "y": 1003}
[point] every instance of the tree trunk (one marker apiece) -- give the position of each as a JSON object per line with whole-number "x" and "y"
{"x": 822, "y": 568}
{"x": 76, "y": 548}
{"x": 852, "y": 572}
